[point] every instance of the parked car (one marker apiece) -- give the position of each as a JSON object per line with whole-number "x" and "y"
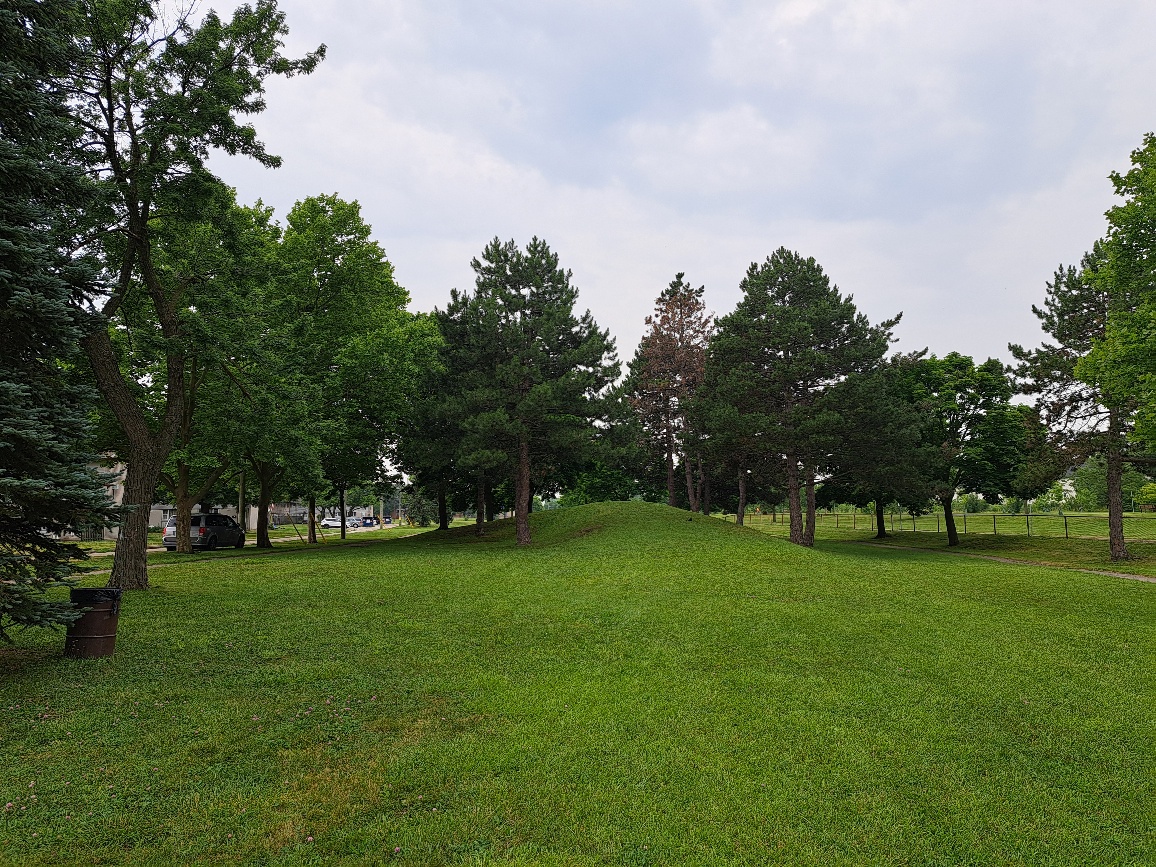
{"x": 206, "y": 531}
{"x": 369, "y": 522}
{"x": 332, "y": 523}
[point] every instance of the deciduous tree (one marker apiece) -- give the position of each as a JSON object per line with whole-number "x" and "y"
{"x": 154, "y": 98}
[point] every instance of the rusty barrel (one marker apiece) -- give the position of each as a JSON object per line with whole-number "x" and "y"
{"x": 94, "y": 634}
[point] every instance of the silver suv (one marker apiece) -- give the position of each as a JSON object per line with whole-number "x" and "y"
{"x": 206, "y": 531}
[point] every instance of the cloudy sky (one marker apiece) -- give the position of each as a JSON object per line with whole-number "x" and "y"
{"x": 937, "y": 158}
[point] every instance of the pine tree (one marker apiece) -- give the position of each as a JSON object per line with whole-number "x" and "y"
{"x": 792, "y": 336}
{"x": 47, "y": 485}
{"x": 1084, "y": 417}
{"x": 668, "y": 367}
{"x": 539, "y": 373}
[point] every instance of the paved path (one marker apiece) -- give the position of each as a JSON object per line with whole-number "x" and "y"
{"x": 1148, "y": 578}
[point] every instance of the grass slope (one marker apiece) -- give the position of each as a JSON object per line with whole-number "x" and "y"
{"x": 635, "y": 688}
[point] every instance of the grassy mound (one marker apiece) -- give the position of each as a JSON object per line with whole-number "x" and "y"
{"x": 637, "y": 687}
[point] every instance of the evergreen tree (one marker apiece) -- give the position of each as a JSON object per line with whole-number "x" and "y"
{"x": 667, "y": 368}
{"x": 1084, "y": 417}
{"x": 47, "y": 484}
{"x": 792, "y": 337}
{"x": 540, "y": 373}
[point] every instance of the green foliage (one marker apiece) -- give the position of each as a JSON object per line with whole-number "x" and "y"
{"x": 47, "y": 483}
{"x": 530, "y": 377}
{"x": 1052, "y": 500}
{"x": 1090, "y": 481}
{"x": 1147, "y": 494}
{"x": 420, "y": 507}
{"x": 879, "y": 453}
{"x": 972, "y": 503}
{"x": 978, "y": 434}
{"x": 792, "y": 337}
{"x": 1123, "y": 363}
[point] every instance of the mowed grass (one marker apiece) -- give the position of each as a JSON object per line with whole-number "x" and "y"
{"x": 635, "y": 688}
{"x": 1065, "y": 553}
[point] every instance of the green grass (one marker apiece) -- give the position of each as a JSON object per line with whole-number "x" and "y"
{"x": 636, "y": 688}
{"x": 1071, "y": 553}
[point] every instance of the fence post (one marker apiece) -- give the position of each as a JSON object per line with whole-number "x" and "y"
{"x": 994, "y": 531}
{"x": 937, "y": 523}
{"x": 913, "y": 527}
{"x": 965, "y": 523}
{"x": 854, "y": 520}
{"x": 1029, "y": 522}
{"x": 892, "y": 522}
{"x": 1065, "y": 526}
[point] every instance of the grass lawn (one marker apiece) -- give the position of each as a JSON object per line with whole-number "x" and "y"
{"x": 636, "y": 688}
{"x": 1080, "y": 553}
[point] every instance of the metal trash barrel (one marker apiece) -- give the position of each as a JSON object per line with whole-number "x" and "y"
{"x": 94, "y": 634}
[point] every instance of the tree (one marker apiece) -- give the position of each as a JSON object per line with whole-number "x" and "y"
{"x": 792, "y": 337}
{"x": 542, "y": 372}
{"x": 346, "y": 320}
{"x": 881, "y": 455}
{"x": 1121, "y": 361}
{"x": 977, "y": 433}
{"x": 667, "y": 368}
{"x": 47, "y": 482}
{"x": 153, "y": 100}
{"x": 1085, "y": 417}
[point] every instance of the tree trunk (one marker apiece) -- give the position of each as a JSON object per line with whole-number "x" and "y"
{"x": 691, "y": 493}
{"x": 312, "y": 535}
{"x": 480, "y": 518}
{"x": 794, "y": 506}
{"x": 705, "y": 488}
{"x": 443, "y": 506}
{"x": 130, "y": 561}
{"x": 242, "y": 516}
{"x": 267, "y": 475}
{"x": 341, "y": 505}
{"x": 491, "y": 504}
{"x": 880, "y": 520}
{"x": 809, "y": 529}
{"x": 949, "y": 518}
{"x": 530, "y": 500}
{"x": 147, "y": 452}
{"x": 184, "y": 506}
{"x": 670, "y": 498}
{"x": 185, "y": 499}
{"x": 522, "y": 491}
{"x": 1114, "y": 456}
{"x": 741, "y": 513}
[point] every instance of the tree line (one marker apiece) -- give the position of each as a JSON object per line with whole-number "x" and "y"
{"x": 152, "y": 320}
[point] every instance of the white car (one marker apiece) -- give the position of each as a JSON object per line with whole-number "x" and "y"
{"x": 331, "y": 523}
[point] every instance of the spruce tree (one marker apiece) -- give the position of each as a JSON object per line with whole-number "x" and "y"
{"x": 47, "y": 484}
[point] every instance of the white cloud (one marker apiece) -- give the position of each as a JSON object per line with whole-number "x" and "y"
{"x": 939, "y": 158}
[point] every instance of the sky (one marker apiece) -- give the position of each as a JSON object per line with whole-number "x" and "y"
{"x": 936, "y": 158}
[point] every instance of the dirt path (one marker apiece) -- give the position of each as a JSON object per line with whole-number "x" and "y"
{"x": 1148, "y": 578}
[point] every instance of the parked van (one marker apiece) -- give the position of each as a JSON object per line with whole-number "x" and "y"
{"x": 206, "y": 531}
